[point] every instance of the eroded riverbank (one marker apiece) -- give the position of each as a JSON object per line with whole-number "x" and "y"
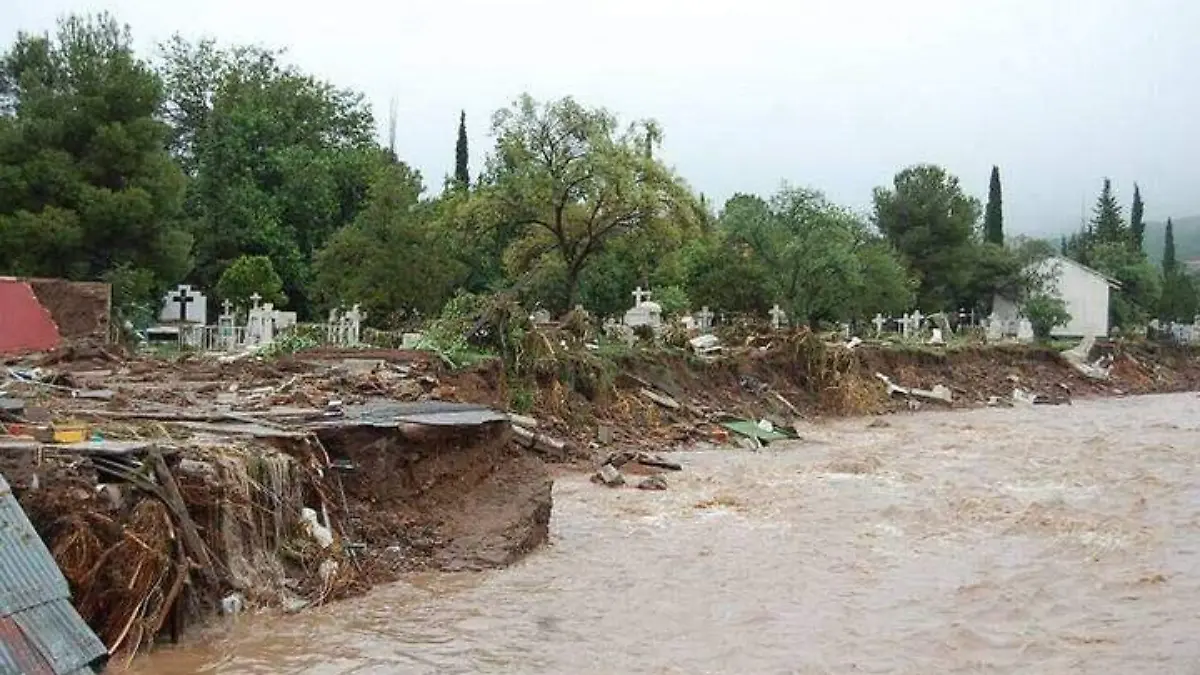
{"x": 1040, "y": 539}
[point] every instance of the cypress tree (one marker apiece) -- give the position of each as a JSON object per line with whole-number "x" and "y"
{"x": 1107, "y": 224}
{"x": 993, "y": 219}
{"x": 462, "y": 173}
{"x": 1168, "y": 259}
{"x": 1137, "y": 228}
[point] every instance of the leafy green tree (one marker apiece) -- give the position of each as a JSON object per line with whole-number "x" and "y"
{"x": 567, "y": 182}
{"x": 1108, "y": 226}
{"x": 931, "y": 222}
{"x": 1178, "y": 301}
{"x": 462, "y": 170}
{"x": 815, "y": 256}
{"x": 1137, "y": 226}
{"x": 87, "y": 188}
{"x": 279, "y": 159}
{"x": 393, "y": 259}
{"x": 724, "y": 273}
{"x": 248, "y": 275}
{"x": 1141, "y": 283}
{"x": 993, "y": 220}
{"x": 1045, "y": 311}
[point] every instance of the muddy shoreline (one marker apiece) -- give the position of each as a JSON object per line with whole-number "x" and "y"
{"x": 292, "y": 518}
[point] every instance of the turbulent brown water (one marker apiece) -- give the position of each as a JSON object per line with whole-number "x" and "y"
{"x": 1035, "y": 540}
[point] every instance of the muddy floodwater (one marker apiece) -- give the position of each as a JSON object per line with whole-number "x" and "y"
{"x": 1035, "y": 540}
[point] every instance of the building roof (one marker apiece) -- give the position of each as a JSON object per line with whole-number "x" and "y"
{"x": 40, "y": 632}
{"x": 1080, "y": 266}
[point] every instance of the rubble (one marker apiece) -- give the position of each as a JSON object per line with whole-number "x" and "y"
{"x": 608, "y": 475}
{"x": 655, "y": 482}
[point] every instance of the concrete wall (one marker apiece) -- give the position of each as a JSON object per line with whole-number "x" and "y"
{"x": 1086, "y": 295}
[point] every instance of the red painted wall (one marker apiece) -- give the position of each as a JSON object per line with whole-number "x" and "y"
{"x": 25, "y": 325}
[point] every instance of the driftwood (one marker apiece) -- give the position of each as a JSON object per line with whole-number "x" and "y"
{"x": 191, "y": 536}
{"x": 540, "y": 442}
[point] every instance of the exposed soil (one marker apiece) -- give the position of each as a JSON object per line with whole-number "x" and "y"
{"x": 80, "y": 308}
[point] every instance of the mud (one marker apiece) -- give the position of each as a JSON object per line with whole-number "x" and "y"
{"x": 81, "y": 309}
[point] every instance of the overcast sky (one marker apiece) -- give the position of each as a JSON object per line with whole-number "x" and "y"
{"x": 834, "y": 95}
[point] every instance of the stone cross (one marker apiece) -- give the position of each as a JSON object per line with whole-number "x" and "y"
{"x": 640, "y": 296}
{"x": 778, "y": 316}
{"x": 353, "y": 320}
{"x": 916, "y": 321}
{"x": 906, "y": 324}
{"x": 879, "y": 322}
{"x": 704, "y": 319}
{"x": 254, "y": 298}
{"x": 183, "y": 297}
{"x": 227, "y": 306}
{"x": 184, "y": 305}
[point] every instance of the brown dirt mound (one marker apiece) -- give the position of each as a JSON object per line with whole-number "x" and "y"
{"x": 81, "y": 309}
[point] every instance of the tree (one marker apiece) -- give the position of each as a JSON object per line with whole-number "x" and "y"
{"x": 462, "y": 172}
{"x": 393, "y": 259}
{"x": 250, "y": 275}
{"x": 993, "y": 220}
{"x": 1108, "y": 227}
{"x": 820, "y": 263}
{"x": 87, "y": 189}
{"x": 567, "y": 183}
{"x": 1137, "y": 227}
{"x": 931, "y": 222}
{"x": 279, "y": 159}
{"x": 1168, "y": 259}
{"x": 1045, "y": 312}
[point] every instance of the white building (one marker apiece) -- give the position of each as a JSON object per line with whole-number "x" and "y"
{"x": 1084, "y": 290}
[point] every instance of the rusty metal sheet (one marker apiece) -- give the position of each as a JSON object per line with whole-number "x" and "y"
{"x": 60, "y": 635}
{"x": 19, "y": 656}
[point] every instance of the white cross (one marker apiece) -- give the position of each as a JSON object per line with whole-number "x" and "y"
{"x": 879, "y": 321}
{"x": 916, "y": 320}
{"x": 255, "y": 297}
{"x": 778, "y": 316}
{"x": 640, "y": 296}
{"x": 704, "y": 317}
{"x": 227, "y": 306}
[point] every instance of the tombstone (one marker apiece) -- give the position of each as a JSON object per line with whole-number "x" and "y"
{"x": 995, "y": 327}
{"x": 260, "y": 324}
{"x": 1024, "y": 330}
{"x": 704, "y": 320}
{"x": 540, "y": 317}
{"x": 353, "y": 320}
{"x": 937, "y": 339}
{"x": 906, "y": 325}
{"x": 916, "y": 320}
{"x": 845, "y": 331}
{"x": 284, "y": 320}
{"x": 184, "y": 305}
{"x": 332, "y": 333}
{"x": 778, "y": 317}
{"x": 644, "y": 312}
{"x": 879, "y": 322}
{"x": 226, "y": 328}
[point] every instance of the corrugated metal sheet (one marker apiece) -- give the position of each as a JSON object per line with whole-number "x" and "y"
{"x": 28, "y": 574}
{"x": 40, "y": 632}
{"x": 60, "y": 635}
{"x": 17, "y": 655}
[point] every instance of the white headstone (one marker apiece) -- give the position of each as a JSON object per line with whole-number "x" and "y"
{"x": 540, "y": 316}
{"x": 284, "y": 320}
{"x": 879, "y": 322}
{"x": 995, "y": 327}
{"x": 778, "y": 317}
{"x": 646, "y": 314}
{"x": 184, "y": 305}
{"x": 255, "y": 298}
{"x": 1024, "y": 330}
{"x": 916, "y": 319}
{"x": 354, "y": 325}
{"x": 640, "y": 296}
{"x": 704, "y": 319}
{"x": 906, "y": 325}
{"x": 937, "y": 337}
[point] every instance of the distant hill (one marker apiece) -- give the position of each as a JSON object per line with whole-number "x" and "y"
{"x": 1187, "y": 239}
